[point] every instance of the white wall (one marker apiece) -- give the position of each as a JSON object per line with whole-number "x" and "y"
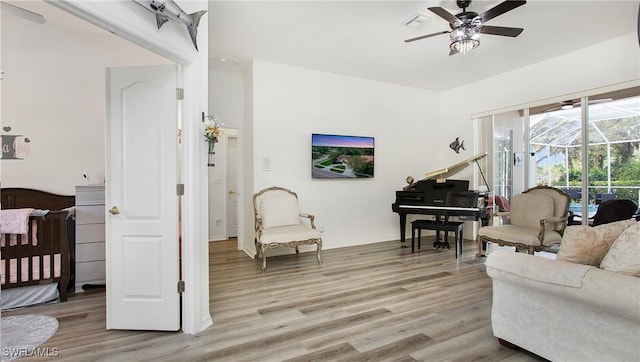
{"x": 290, "y": 103}
{"x": 226, "y": 97}
{"x": 54, "y": 94}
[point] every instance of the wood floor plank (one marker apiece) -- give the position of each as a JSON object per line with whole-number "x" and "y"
{"x": 376, "y": 302}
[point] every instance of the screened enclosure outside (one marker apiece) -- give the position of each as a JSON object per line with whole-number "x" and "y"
{"x": 613, "y": 149}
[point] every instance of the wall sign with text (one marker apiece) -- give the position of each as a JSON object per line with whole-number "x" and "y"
{"x": 14, "y": 147}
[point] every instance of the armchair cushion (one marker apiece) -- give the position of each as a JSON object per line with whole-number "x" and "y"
{"x": 624, "y": 255}
{"x": 289, "y": 233}
{"x": 587, "y": 245}
{"x": 528, "y": 209}
{"x": 279, "y": 209}
{"x": 523, "y": 234}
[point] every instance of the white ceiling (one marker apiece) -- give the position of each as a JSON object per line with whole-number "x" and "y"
{"x": 365, "y": 38}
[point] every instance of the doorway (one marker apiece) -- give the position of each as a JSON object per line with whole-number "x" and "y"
{"x": 72, "y": 142}
{"x": 223, "y": 186}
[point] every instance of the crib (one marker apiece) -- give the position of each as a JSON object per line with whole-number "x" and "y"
{"x": 43, "y": 256}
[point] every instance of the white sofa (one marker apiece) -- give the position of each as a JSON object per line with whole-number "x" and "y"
{"x": 564, "y": 311}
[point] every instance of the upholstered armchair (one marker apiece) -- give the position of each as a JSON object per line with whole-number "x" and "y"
{"x": 538, "y": 217}
{"x": 279, "y": 223}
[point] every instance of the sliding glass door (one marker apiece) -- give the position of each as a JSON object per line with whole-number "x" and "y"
{"x": 588, "y": 147}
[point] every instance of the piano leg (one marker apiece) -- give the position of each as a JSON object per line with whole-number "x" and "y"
{"x": 403, "y": 226}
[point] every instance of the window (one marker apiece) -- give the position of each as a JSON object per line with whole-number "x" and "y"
{"x": 591, "y": 143}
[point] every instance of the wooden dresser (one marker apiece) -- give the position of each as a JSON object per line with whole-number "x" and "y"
{"x": 90, "y": 236}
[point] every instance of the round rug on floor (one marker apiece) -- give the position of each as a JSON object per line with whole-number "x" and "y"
{"x": 22, "y": 334}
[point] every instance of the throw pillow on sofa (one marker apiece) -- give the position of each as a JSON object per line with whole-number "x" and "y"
{"x": 624, "y": 255}
{"x": 588, "y": 245}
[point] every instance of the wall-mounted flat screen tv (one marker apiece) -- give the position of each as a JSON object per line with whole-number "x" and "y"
{"x": 335, "y": 156}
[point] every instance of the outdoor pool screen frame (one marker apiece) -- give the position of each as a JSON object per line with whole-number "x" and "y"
{"x": 337, "y": 156}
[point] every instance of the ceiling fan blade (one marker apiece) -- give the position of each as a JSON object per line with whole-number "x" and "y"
{"x": 426, "y": 36}
{"x": 500, "y": 30}
{"x": 577, "y": 103}
{"x": 500, "y": 9}
{"x": 441, "y": 12}
{"x": 23, "y": 13}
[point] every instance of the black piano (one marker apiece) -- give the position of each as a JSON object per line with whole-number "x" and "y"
{"x": 441, "y": 198}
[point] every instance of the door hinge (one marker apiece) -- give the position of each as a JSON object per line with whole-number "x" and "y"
{"x": 181, "y": 287}
{"x": 180, "y": 93}
{"x": 180, "y": 189}
{"x": 179, "y": 135}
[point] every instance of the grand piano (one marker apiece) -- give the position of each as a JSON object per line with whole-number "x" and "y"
{"x": 442, "y": 198}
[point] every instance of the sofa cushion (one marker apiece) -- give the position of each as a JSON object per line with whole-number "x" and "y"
{"x": 537, "y": 268}
{"x": 279, "y": 209}
{"x": 587, "y": 245}
{"x": 529, "y": 209}
{"x": 624, "y": 255}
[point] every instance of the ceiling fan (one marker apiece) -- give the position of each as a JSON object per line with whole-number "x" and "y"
{"x": 467, "y": 26}
{"x": 570, "y": 104}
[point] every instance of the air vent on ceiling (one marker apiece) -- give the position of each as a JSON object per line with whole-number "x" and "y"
{"x": 415, "y": 20}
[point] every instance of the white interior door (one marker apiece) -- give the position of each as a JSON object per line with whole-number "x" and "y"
{"x": 142, "y": 220}
{"x": 233, "y": 189}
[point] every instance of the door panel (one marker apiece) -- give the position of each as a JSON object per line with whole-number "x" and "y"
{"x": 142, "y": 233}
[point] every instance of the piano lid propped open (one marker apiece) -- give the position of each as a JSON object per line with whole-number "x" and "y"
{"x": 440, "y": 174}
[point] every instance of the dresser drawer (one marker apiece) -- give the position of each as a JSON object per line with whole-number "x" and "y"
{"x": 94, "y": 214}
{"x": 90, "y": 271}
{"x": 90, "y": 252}
{"x": 89, "y": 195}
{"x": 90, "y": 233}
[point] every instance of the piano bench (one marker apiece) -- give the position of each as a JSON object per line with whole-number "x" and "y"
{"x": 438, "y": 226}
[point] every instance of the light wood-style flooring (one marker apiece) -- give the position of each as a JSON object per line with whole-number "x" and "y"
{"x": 374, "y": 302}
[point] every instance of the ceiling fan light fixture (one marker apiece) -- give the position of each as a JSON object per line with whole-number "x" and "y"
{"x": 464, "y": 39}
{"x": 465, "y": 45}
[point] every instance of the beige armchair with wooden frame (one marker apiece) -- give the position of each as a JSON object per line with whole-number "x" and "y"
{"x": 278, "y": 223}
{"x": 538, "y": 217}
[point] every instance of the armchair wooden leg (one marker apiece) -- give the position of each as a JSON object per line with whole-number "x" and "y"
{"x": 319, "y": 247}
{"x": 481, "y": 244}
{"x": 257, "y": 249}
{"x": 264, "y": 258}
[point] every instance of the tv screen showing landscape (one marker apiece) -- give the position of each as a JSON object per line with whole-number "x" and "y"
{"x": 335, "y": 156}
